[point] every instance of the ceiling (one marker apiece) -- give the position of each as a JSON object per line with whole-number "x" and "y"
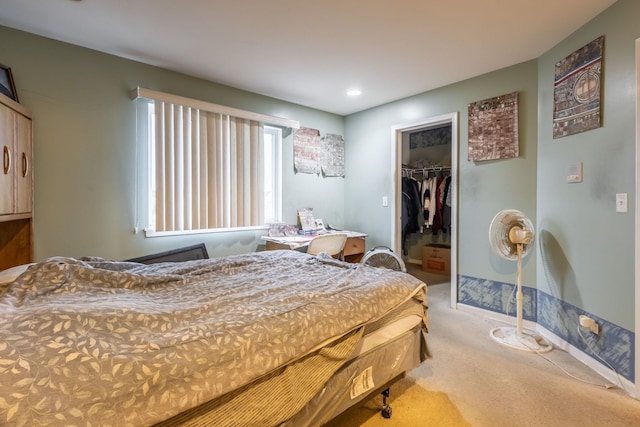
{"x": 312, "y": 52}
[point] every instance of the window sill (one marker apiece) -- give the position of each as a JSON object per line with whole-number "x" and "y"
{"x": 153, "y": 233}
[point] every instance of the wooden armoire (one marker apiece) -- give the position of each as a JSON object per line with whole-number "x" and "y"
{"x": 16, "y": 184}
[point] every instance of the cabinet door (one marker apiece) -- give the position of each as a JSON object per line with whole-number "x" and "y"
{"x": 6, "y": 172}
{"x": 23, "y": 164}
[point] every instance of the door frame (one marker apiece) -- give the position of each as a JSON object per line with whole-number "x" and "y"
{"x": 396, "y": 167}
{"x": 637, "y": 227}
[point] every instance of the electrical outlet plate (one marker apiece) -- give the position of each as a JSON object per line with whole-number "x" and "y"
{"x": 621, "y": 202}
{"x": 589, "y": 323}
{"x": 574, "y": 172}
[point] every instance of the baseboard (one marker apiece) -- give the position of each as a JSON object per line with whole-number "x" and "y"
{"x": 599, "y": 368}
{"x": 488, "y": 314}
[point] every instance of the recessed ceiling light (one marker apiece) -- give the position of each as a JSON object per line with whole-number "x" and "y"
{"x": 353, "y": 92}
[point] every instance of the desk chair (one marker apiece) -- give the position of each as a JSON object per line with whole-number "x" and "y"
{"x": 333, "y": 244}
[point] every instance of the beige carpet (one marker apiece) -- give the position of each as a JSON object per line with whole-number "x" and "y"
{"x": 413, "y": 406}
{"x": 473, "y": 381}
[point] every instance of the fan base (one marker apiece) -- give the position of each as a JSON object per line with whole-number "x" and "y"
{"x": 526, "y": 341}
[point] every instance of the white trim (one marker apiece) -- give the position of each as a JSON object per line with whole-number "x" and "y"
{"x": 602, "y": 370}
{"x": 455, "y": 173}
{"x": 155, "y": 95}
{"x": 396, "y": 175}
{"x": 637, "y": 226}
{"x": 497, "y": 317}
{"x": 277, "y": 176}
{"x": 153, "y": 233}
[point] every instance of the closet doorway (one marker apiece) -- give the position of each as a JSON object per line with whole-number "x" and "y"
{"x": 443, "y": 161}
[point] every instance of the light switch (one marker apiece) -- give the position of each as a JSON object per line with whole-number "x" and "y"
{"x": 621, "y": 202}
{"x": 574, "y": 172}
{"x": 385, "y": 201}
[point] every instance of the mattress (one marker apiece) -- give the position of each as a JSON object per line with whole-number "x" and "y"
{"x": 393, "y": 346}
{"x": 98, "y": 342}
{"x": 363, "y": 377}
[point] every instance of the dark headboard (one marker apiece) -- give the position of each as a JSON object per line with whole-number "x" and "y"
{"x": 187, "y": 253}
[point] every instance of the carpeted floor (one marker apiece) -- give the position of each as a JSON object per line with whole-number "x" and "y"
{"x": 413, "y": 406}
{"x": 473, "y": 381}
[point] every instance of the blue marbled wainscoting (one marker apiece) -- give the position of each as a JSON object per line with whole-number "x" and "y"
{"x": 613, "y": 344}
{"x": 495, "y": 296}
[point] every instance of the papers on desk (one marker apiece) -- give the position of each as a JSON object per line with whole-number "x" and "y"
{"x": 281, "y": 230}
{"x": 301, "y": 240}
{"x": 291, "y": 241}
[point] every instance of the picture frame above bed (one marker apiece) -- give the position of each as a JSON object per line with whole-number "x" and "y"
{"x": 7, "y": 85}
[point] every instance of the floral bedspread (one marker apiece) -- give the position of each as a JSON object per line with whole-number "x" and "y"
{"x": 97, "y": 342}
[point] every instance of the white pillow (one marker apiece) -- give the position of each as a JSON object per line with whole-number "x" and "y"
{"x": 11, "y": 274}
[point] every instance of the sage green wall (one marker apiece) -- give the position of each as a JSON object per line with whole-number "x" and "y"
{"x": 484, "y": 187}
{"x": 588, "y": 247}
{"x": 84, "y": 126}
{"x": 84, "y": 160}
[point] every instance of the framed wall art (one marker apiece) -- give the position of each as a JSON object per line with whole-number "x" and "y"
{"x": 316, "y": 155}
{"x": 7, "y": 86}
{"x": 493, "y": 128}
{"x": 577, "y": 90}
{"x": 307, "y": 151}
{"x": 333, "y": 155}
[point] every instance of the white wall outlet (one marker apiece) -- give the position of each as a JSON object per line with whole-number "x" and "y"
{"x": 589, "y": 323}
{"x": 621, "y": 202}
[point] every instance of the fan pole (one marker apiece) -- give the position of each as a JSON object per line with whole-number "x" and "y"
{"x": 519, "y": 296}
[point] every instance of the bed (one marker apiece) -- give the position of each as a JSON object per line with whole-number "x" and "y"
{"x": 278, "y": 338}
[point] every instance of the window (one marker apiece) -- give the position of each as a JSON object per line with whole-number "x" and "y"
{"x": 210, "y": 170}
{"x": 272, "y": 174}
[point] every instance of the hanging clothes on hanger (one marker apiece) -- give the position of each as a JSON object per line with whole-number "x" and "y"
{"x": 411, "y": 208}
{"x": 446, "y": 206}
{"x": 428, "y": 201}
{"x": 436, "y": 226}
{"x": 425, "y": 190}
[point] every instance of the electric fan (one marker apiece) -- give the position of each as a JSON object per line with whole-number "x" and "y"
{"x": 511, "y": 236}
{"x": 382, "y": 256}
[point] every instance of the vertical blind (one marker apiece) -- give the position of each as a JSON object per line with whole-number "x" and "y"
{"x": 209, "y": 169}
{"x": 207, "y": 163}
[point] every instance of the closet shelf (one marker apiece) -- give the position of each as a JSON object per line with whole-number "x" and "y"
{"x": 425, "y": 170}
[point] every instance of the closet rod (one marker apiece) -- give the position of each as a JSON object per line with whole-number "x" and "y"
{"x": 429, "y": 169}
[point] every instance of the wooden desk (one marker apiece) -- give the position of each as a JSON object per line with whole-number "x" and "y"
{"x": 354, "y": 248}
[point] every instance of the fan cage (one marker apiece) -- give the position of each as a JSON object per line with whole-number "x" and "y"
{"x": 502, "y": 223}
{"x": 384, "y": 257}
